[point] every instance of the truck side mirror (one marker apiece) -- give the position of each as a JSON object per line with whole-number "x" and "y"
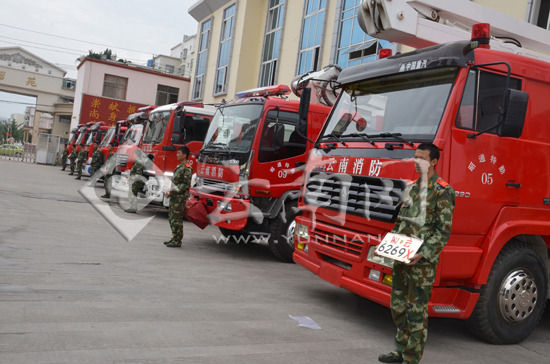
{"x": 176, "y": 130}
{"x": 177, "y": 124}
{"x": 278, "y": 135}
{"x": 515, "y": 109}
{"x": 303, "y": 111}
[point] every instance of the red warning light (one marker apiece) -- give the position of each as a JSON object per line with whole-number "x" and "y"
{"x": 384, "y": 53}
{"x": 481, "y": 33}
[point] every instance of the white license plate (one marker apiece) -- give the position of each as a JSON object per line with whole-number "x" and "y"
{"x": 398, "y": 247}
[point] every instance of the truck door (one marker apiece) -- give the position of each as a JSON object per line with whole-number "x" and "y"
{"x": 485, "y": 170}
{"x": 190, "y": 132}
{"x": 281, "y": 153}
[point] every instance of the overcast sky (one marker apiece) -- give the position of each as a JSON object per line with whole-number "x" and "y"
{"x": 134, "y": 29}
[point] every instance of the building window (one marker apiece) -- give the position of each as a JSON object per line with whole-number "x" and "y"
{"x": 354, "y": 45}
{"x": 68, "y": 84}
{"x": 272, "y": 42}
{"x": 204, "y": 39}
{"x": 167, "y": 95}
{"x": 312, "y": 31}
{"x": 115, "y": 87}
{"x": 65, "y": 119}
{"x": 220, "y": 85}
{"x": 169, "y": 68}
{"x": 542, "y": 15}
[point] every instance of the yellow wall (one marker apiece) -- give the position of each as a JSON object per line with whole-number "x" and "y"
{"x": 514, "y": 8}
{"x": 247, "y": 46}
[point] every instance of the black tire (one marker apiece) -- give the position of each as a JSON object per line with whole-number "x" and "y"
{"x": 281, "y": 240}
{"x": 500, "y": 315}
{"x": 233, "y": 237}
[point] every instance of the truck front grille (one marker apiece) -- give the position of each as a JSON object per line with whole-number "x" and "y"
{"x": 340, "y": 242}
{"x": 370, "y": 197}
{"x": 214, "y": 186}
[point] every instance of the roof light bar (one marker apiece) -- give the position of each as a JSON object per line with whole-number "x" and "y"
{"x": 275, "y": 90}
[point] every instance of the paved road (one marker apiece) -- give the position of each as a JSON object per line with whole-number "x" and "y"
{"x": 72, "y": 290}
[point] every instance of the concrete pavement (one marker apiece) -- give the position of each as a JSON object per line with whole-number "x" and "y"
{"x": 72, "y": 290}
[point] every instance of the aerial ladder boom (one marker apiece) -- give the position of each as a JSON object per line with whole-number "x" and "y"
{"x": 423, "y": 23}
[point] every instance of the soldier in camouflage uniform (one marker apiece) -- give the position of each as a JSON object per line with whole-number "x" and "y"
{"x": 64, "y": 157}
{"x": 72, "y": 159}
{"x": 97, "y": 160}
{"x": 107, "y": 170}
{"x": 179, "y": 194}
{"x": 137, "y": 178}
{"x": 82, "y": 156}
{"x": 427, "y": 213}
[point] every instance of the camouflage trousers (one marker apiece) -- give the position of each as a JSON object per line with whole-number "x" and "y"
{"x": 136, "y": 187}
{"x": 63, "y": 163}
{"x": 411, "y": 291}
{"x": 72, "y": 165}
{"x": 79, "y": 166}
{"x": 175, "y": 218}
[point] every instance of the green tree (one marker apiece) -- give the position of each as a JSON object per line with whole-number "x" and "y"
{"x": 106, "y": 54}
{"x": 8, "y": 128}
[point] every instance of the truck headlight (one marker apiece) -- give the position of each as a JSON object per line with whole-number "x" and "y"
{"x": 301, "y": 232}
{"x": 377, "y": 259}
{"x": 225, "y": 206}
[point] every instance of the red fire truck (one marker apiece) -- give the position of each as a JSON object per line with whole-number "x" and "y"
{"x": 483, "y": 103}
{"x": 251, "y": 166}
{"x": 77, "y": 137}
{"x": 97, "y": 132}
{"x": 114, "y": 137}
{"x": 169, "y": 127}
{"x": 133, "y": 138}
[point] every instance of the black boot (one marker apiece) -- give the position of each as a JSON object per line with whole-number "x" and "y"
{"x": 391, "y": 357}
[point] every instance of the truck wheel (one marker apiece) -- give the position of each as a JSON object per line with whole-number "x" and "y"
{"x": 512, "y": 302}
{"x": 233, "y": 236}
{"x": 281, "y": 240}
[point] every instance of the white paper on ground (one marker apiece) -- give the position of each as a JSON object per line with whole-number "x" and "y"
{"x": 305, "y": 321}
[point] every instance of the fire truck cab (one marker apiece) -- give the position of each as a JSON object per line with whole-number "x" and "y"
{"x": 486, "y": 110}
{"x": 251, "y": 166}
{"x": 171, "y": 126}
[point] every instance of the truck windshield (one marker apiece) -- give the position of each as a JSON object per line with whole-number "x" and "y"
{"x": 133, "y": 134}
{"x": 91, "y": 137}
{"x": 79, "y": 140}
{"x": 233, "y": 128}
{"x": 408, "y": 105}
{"x": 71, "y": 138}
{"x": 156, "y": 128}
{"x": 108, "y": 137}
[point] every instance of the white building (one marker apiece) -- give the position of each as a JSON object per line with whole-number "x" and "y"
{"x": 109, "y": 91}
{"x": 166, "y": 64}
{"x": 185, "y": 51}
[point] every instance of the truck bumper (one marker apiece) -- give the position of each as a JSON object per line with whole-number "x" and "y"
{"x": 119, "y": 182}
{"x": 155, "y": 190}
{"x": 366, "y": 279}
{"x": 227, "y": 213}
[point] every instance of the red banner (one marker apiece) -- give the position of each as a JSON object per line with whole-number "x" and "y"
{"x": 96, "y": 108}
